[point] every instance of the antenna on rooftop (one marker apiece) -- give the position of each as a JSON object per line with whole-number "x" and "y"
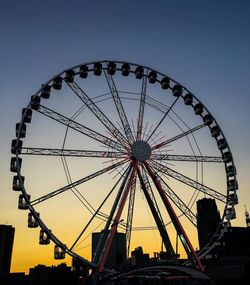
{"x": 247, "y": 217}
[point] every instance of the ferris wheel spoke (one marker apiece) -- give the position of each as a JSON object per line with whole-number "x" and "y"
{"x": 119, "y": 107}
{"x": 178, "y": 202}
{"x": 100, "y": 246}
{"x": 178, "y": 226}
{"x": 191, "y": 158}
{"x": 130, "y": 214}
{"x": 147, "y": 190}
{"x": 190, "y": 182}
{"x": 78, "y": 127}
{"x": 144, "y": 179}
{"x": 141, "y": 109}
{"x": 156, "y": 104}
{"x": 118, "y": 216}
{"x": 97, "y": 112}
{"x": 76, "y": 183}
{"x": 97, "y": 211}
{"x": 190, "y": 131}
{"x": 72, "y": 152}
{"x": 163, "y": 118}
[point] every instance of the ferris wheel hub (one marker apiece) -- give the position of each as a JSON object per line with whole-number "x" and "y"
{"x": 140, "y": 150}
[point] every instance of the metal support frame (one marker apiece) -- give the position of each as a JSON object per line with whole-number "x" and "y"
{"x": 191, "y": 158}
{"x": 99, "y": 251}
{"x": 179, "y": 229}
{"x": 178, "y": 202}
{"x": 117, "y": 217}
{"x": 75, "y": 183}
{"x": 130, "y": 214}
{"x": 163, "y": 118}
{"x": 188, "y": 132}
{"x": 71, "y": 152}
{"x": 190, "y": 182}
{"x": 119, "y": 108}
{"x": 141, "y": 110}
{"x": 78, "y": 127}
{"x": 97, "y": 112}
{"x": 156, "y": 213}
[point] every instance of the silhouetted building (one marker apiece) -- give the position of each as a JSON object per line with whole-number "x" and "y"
{"x": 80, "y": 269}
{"x": 236, "y": 242}
{"x": 138, "y": 258}
{"x": 208, "y": 219}
{"x": 45, "y": 275}
{"x": 117, "y": 255}
{"x": 15, "y": 279}
{"x": 230, "y": 260}
{"x": 6, "y": 245}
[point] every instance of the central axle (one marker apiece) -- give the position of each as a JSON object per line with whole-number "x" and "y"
{"x": 140, "y": 150}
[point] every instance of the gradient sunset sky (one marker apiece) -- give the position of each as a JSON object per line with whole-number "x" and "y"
{"x": 202, "y": 44}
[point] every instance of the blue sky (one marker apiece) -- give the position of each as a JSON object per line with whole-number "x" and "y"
{"x": 202, "y": 44}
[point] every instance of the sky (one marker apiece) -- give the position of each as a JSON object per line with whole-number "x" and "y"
{"x": 204, "y": 45}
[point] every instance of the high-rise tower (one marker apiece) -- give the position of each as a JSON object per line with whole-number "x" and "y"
{"x": 208, "y": 219}
{"x": 117, "y": 254}
{"x": 6, "y": 244}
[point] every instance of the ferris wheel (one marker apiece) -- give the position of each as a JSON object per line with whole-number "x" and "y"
{"x": 114, "y": 146}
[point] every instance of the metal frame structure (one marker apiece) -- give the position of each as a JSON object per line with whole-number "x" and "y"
{"x": 133, "y": 150}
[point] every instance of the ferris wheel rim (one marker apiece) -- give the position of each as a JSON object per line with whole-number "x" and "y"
{"x": 219, "y": 232}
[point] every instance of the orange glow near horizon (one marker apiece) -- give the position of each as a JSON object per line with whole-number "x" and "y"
{"x": 27, "y": 255}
